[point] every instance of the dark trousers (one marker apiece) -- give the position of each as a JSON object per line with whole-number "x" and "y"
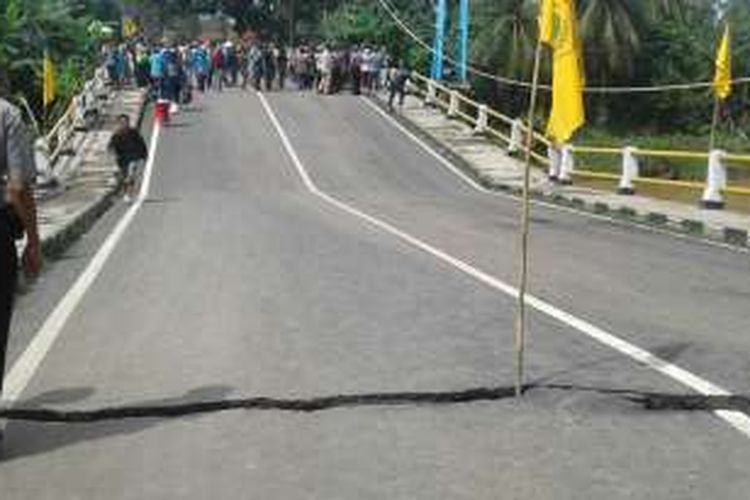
{"x": 395, "y": 90}
{"x": 8, "y": 276}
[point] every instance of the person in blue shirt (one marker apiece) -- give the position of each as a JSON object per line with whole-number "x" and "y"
{"x": 157, "y": 71}
{"x": 202, "y": 66}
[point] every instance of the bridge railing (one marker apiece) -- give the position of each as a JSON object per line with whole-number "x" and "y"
{"x": 561, "y": 160}
{"x": 80, "y": 115}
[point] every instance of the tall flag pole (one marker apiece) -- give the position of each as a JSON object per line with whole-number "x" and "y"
{"x": 441, "y": 16}
{"x": 545, "y": 25}
{"x": 722, "y": 79}
{"x": 463, "y": 40}
{"x": 557, "y": 28}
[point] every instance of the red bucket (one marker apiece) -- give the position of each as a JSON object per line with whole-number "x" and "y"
{"x": 161, "y": 111}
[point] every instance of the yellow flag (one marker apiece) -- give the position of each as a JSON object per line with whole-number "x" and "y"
{"x": 49, "y": 80}
{"x": 568, "y": 112}
{"x": 546, "y": 21}
{"x": 723, "y": 78}
{"x": 130, "y": 27}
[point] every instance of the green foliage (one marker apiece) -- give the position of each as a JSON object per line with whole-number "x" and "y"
{"x": 365, "y": 22}
{"x": 26, "y": 29}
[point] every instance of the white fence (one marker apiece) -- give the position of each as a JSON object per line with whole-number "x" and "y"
{"x": 81, "y": 115}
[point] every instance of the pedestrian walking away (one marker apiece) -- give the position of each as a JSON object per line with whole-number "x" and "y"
{"x": 131, "y": 152}
{"x": 17, "y": 216}
{"x": 397, "y": 81}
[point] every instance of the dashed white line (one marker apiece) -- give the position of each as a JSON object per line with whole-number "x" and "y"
{"x": 738, "y": 420}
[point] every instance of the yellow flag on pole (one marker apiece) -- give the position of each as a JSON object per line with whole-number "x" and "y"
{"x": 568, "y": 112}
{"x": 130, "y": 27}
{"x": 723, "y": 78}
{"x": 546, "y": 21}
{"x": 50, "y": 85}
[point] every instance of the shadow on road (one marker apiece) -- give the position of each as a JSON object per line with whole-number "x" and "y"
{"x": 26, "y": 438}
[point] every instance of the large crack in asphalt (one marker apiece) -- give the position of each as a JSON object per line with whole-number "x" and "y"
{"x": 647, "y": 400}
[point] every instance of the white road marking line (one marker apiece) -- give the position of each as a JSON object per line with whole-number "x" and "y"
{"x": 477, "y": 186}
{"x": 28, "y": 363}
{"x": 736, "y": 419}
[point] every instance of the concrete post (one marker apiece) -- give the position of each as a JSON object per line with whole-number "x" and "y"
{"x": 516, "y": 136}
{"x": 42, "y": 159}
{"x": 716, "y": 181}
{"x": 555, "y": 160}
{"x": 482, "y": 120}
{"x": 567, "y": 165}
{"x": 630, "y": 171}
{"x": 453, "y": 105}
{"x": 431, "y": 96}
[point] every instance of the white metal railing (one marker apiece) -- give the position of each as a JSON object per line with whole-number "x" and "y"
{"x": 81, "y": 114}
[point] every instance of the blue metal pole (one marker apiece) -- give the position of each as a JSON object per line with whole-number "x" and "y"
{"x": 441, "y": 16}
{"x": 463, "y": 40}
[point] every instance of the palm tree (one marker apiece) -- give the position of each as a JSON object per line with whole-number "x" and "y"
{"x": 612, "y": 35}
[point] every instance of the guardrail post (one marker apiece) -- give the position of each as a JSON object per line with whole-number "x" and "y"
{"x": 567, "y": 165}
{"x": 453, "y": 105}
{"x": 555, "y": 160}
{"x": 716, "y": 181}
{"x": 516, "y": 136}
{"x": 431, "y": 97}
{"x": 42, "y": 160}
{"x": 630, "y": 171}
{"x": 482, "y": 120}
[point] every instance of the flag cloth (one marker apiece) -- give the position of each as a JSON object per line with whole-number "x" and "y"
{"x": 130, "y": 27}
{"x": 546, "y": 21}
{"x": 49, "y": 80}
{"x": 568, "y": 113}
{"x": 723, "y": 78}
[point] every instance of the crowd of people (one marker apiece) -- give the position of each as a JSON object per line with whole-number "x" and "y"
{"x": 175, "y": 71}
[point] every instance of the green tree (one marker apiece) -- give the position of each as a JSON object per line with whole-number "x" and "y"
{"x": 26, "y": 30}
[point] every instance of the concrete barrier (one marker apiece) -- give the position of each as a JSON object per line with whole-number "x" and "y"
{"x": 516, "y": 137}
{"x": 630, "y": 171}
{"x": 716, "y": 181}
{"x": 482, "y": 120}
{"x": 567, "y": 165}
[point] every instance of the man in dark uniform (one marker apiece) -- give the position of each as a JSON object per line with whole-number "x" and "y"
{"x": 17, "y": 215}
{"x": 131, "y": 151}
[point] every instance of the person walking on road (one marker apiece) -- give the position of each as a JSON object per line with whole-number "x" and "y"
{"x": 282, "y": 63}
{"x": 17, "y": 216}
{"x": 269, "y": 67}
{"x": 398, "y": 79}
{"x": 202, "y": 65}
{"x": 131, "y": 152}
{"x": 254, "y": 62}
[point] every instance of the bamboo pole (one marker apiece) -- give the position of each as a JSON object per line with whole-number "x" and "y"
{"x": 525, "y": 227}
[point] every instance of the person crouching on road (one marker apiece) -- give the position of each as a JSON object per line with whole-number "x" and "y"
{"x": 17, "y": 215}
{"x": 131, "y": 152}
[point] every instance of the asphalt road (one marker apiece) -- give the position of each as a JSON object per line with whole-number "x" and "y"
{"x": 235, "y": 281}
